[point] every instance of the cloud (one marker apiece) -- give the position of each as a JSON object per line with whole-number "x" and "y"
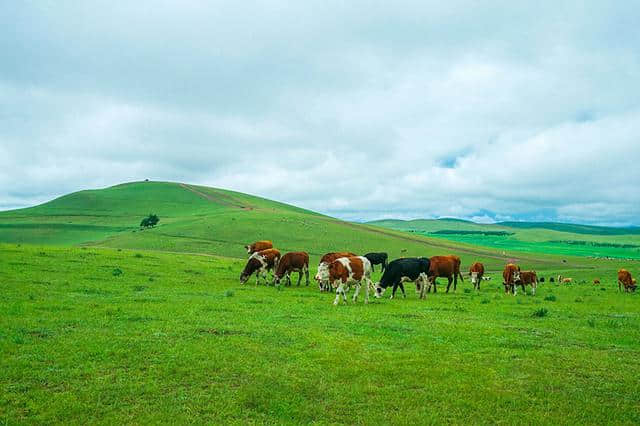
{"x": 358, "y": 110}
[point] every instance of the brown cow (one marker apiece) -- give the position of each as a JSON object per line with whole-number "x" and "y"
{"x": 258, "y": 246}
{"x": 350, "y": 270}
{"x": 476, "y": 271}
{"x": 528, "y": 278}
{"x": 625, "y": 279}
{"x": 322, "y": 276}
{"x": 444, "y": 267}
{"x": 260, "y": 262}
{"x": 511, "y": 275}
{"x": 596, "y": 280}
{"x": 297, "y": 261}
{"x": 567, "y": 280}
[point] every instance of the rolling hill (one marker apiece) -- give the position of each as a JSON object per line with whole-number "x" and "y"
{"x": 197, "y": 219}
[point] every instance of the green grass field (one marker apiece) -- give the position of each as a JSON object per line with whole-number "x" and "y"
{"x": 104, "y": 323}
{"x": 109, "y": 336}
{"x": 553, "y": 238}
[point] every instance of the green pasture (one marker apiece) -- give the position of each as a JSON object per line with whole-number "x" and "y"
{"x": 136, "y": 336}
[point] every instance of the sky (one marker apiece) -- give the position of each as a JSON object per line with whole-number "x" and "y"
{"x": 488, "y": 111}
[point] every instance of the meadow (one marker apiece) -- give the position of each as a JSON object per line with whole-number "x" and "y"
{"x": 108, "y": 325}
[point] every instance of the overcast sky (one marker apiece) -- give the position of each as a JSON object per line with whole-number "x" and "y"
{"x": 361, "y": 110}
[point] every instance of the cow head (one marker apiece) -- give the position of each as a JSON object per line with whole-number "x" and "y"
{"x": 248, "y": 248}
{"x": 516, "y": 275}
{"x": 474, "y": 279}
{"x": 378, "y": 290}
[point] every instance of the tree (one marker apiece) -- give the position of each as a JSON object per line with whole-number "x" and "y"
{"x": 150, "y": 221}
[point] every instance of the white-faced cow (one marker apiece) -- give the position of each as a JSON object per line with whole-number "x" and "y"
{"x": 476, "y": 271}
{"x": 258, "y": 246}
{"x": 322, "y": 276}
{"x": 260, "y": 262}
{"x": 402, "y": 270}
{"x": 345, "y": 271}
{"x": 377, "y": 259}
{"x": 297, "y": 261}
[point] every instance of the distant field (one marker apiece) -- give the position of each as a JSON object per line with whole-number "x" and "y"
{"x": 137, "y": 336}
{"x": 558, "y": 239}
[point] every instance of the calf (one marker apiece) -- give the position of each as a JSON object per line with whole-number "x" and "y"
{"x": 444, "y": 267}
{"x": 402, "y": 270}
{"x": 528, "y": 278}
{"x": 377, "y": 259}
{"x": 567, "y": 280}
{"x": 258, "y": 246}
{"x": 596, "y": 280}
{"x": 476, "y": 271}
{"x": 511, "y": 275}
{"x": 260, "y": 262}
{"x": 350, "y": 270}
{"x": 625, "y": 279}
{"x": 297, "y": 261}
{"x": 322, "y": 276}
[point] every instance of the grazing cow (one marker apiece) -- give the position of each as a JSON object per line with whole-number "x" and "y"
{"x": 444, "y": 267}
{"x": 350, "y": 270}
{"x": 297, "y": 261}
{"x": 260, "y": 262}
{"x": 551, "y": 280}
{"x": 377, "y": 259}
{"x": 625, "y": 279}
{"x": 402, "y": 270}
{"x": 511, "y": 275}
{"x": 322, "y": 276}
{"x": 258, "y": 246}
{"x": 528, "y": 278}
{"x": 541, "y": 280}
{"x": 596, "y": 280}
{"x": 476, "y": 271}
{"x": 567, "y": 280}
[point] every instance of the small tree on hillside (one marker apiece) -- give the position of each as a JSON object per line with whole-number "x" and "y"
{"x": 150, "y": 221}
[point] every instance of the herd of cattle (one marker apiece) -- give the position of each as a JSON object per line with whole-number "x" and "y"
{"x": 340, "y": 270}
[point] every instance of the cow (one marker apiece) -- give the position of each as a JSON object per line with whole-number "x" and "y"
{"x": 528, "y": 278}
{"x": 322, "y": 276}
{"x": 297, "y": 261}
{"x": 511, "y": 275}
{"x": 625, "y": 279}
{"x": 444, "y": 267}
{"x": 377, "y": 259}
{"x": 350, "y": 270}
{"x": 567, "y": 280}
{"x": 260, "y": 262}
{"x": 596, "y": 280}
{"x": 258, "y": 246}
{"x": 476, "y": 272}
{"x": 402, "y": 270}
{"x": 551, "y": 280}
{"x": 541, "y": 280}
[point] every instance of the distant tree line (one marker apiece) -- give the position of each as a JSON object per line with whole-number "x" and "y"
{"x": 595, "y": 244}
{"x": 457, "y": 232}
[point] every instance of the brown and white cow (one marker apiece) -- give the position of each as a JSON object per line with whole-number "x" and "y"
{"x": 511, "y": 275}
{"x": 444, "y": 267}
{"x": 297, "y": 261}
{"x": 476, "y": 271}
{"x": 528, "y": 278}
{"x": 322, "y": 276}
{"x": 625, "y": 279}
{"x": 345, "y": 271}
{"x": 260, "y": 262}
{"x": 566, "y": 280}
{"x": 258, "y": 246}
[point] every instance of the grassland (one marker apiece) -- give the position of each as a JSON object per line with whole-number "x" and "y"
{"x": 113, "y": 336}
{"x": 104, "y": 323}
{"x": 553, "y": 238}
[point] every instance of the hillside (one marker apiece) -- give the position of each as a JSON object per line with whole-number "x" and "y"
{"x": 539, "y": 237}
{"x": 196, "y": 219}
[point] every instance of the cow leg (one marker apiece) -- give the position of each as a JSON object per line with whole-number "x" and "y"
{"x": 289, "y": 278}
{"x": 306, "y": 275}
{"x": 449, "y": 283}
{"x": 366, "y": 295}
{"x": 455, "y": 282}
{"x": 533, "y": 289}
{"x": 393, "y": 290}
{"x": 356, "y": 291}
{"x": 339, "y": 290}
{"x": 404, "y": 295}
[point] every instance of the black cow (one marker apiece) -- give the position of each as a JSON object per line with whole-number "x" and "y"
{"x": 377, "y": 259}
{"x": 551, "y": 280}
{"x": 541, "y": 279}
{"x": 402, "y": 270}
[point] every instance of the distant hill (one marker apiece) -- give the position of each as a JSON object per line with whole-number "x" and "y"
{"x": 574, "y": 228}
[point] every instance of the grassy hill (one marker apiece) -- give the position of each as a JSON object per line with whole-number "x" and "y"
{"x": 532, "y": 237}
{"x": 196, "y": 219}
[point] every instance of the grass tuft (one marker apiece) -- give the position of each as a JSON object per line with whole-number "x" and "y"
{"x": 550, "y": 297}
{"x": 228, "y": 293}
{"x": 539, "y": 313}
{"x": 116, "y": 272}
